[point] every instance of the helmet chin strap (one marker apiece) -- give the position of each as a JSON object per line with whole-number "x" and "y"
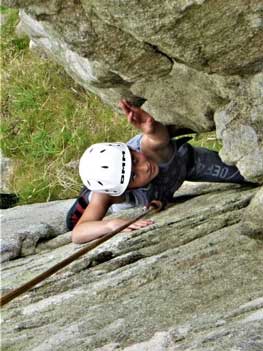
{"x": 154, "y": 207}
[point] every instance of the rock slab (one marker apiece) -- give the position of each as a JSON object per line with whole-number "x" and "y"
{"x": 191, "y": 281}
{"x": 23, "y": 227}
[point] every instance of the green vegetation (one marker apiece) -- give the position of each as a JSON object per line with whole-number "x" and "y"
{"x": 206, "y": 140}
{"x": 47, "y": 121}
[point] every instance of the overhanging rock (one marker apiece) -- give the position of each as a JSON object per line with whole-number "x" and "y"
{"x": 191, "y": 61}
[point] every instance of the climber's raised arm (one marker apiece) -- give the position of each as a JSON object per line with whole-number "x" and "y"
{"x": 156, "y": 138}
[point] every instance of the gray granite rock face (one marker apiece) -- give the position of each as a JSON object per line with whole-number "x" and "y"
{"x": 240, "y": 126}
{"x": 191, "y": 281}
{"x": 7, "y": 197}
{"x": 6, "y": 170}
{"x": 23, "y": 227}
{"x": 197, "y": 63}
{"x": 253, "y": 218}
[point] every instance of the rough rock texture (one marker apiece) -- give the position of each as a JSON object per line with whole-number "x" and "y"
{"x": 191, "y": 281}
{"x": 192, "y": 61}
{"x": 253, "y": 219}
{"x": 240, "y": 126}
{"x": 6, "y": 170}
{"x": 7, "y": 197}
{"x": 23, "y": 227}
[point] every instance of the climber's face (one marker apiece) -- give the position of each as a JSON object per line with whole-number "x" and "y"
{"x": 144, "y": 170}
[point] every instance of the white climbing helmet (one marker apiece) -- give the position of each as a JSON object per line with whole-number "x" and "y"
{"x": 106, "y": 168}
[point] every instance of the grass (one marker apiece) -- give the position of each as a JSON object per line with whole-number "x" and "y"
{"x": 48, "y": 121}
{"x": 207, "y": 140}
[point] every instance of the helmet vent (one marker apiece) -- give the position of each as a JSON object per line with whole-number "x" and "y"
{"x": 106, "y": 168}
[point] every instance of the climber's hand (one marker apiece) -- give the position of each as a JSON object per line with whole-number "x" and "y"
{"x": 139, "y": 118}
{"x": 141, "y": 223}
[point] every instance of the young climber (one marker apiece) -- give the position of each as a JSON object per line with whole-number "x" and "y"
{"x": 151, "y": 166}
